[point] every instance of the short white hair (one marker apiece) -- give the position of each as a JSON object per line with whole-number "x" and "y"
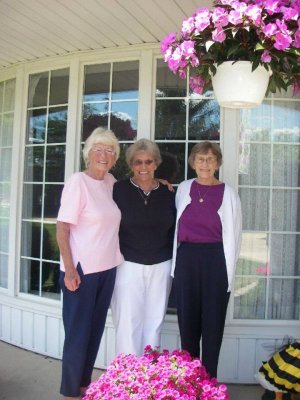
{"x": 100, "y": 136}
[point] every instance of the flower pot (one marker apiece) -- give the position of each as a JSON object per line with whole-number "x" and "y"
{"x": 236, "y": 86}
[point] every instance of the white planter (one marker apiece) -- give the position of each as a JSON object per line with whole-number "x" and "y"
{"x": 236, "y": 86}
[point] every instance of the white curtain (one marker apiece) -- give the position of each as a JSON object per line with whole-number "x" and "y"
{"x": 268, "y": 275}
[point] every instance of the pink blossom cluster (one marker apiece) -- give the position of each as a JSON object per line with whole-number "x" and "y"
{"x": 156, "y": 376}
{"x": 273, "y": 25}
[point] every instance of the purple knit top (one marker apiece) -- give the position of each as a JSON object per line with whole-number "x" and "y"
{"x": 200, "y": 221}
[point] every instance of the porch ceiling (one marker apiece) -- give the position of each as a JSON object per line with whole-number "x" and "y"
{"x": 36, "y": 29}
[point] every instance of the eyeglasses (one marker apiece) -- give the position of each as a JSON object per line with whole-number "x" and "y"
{"x": 137, "y": 163}
{"x": 105, "y": 150}
{"x": 208, "y": 160}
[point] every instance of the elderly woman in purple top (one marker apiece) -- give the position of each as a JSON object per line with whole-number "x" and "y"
{"x": 206, "y": 249}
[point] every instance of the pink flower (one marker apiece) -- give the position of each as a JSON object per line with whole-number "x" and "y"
{"x": 272, "y": 6}
{"x": 202, "y": 19}
{"x": 297, "y": 39}
{"x": 296, "y": 87}
{"x": 156, "y": 375}
{"x": 219, "y": 35}
{"x": 266, "y": 56}
{"x": 282, "y": 26}
{"x": 197, "y": 83}
{"x": 219, "y": 17}
{"x": 282, "y": 41}
{"x": 188, "y": 26}
{"x": 270, "y": 29}
{"x": 168, "y": 41}
{"x": 290, "y": 13}
{"x": 187, "y": 48}
{"x": 235, "y": 17}
{"x": 264, "y": 269}
{"x": 239, "y": 6}
{"x": 254, "y": 14}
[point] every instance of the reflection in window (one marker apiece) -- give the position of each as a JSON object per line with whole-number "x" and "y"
{"x": 110, "y": 99}
{"x": 44, "y": 167}
{"x": 268, "y": 274}
{"x": 7, "y": 101}
{"x": 182, "y": 118}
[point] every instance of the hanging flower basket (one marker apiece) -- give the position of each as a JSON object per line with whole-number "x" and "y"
{"x": 265, "y": 33}
{"x": 236, "y": 86}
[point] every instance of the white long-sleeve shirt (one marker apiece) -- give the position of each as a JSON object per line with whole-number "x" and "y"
{"x": 231, "y": 221}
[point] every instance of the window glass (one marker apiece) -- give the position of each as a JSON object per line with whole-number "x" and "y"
{"x": 168, "y": 84}
{"x": 36, "y": 125}
{"x": 124, "y": 120}
{"x": 125, "y": 80}
{"x": 170, "y": 119}
{"x": 96, "y": 82}
{"x": 55, "y": 163}
{"x": 182, "y": 118}
{"x": 32, "y": 200}
{"x": 94, "y": 115}
{"x": 50, "y": 278}
{"x": 44, "y": 166}
{"x": 7, "y": 101}
{"x": 110, "y": 100}
{"x": 57, "y": 124}
{"x": 267, "y": 278}
{"x": 204, "y": 120}
{"x": 38, "y": 90}
{"x": 249, "y": 298}
{"x": 284, "y": 299}
{"x": 7, "y": 129}
{"x": 59, "y": 87}
{"x": 9, "y": 95}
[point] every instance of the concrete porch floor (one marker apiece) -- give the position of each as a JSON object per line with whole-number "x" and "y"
{"x": 29, "y": 376}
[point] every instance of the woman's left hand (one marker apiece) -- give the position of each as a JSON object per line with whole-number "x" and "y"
{"x": 167, "y": 183}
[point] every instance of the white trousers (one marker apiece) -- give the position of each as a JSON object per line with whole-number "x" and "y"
{"x": 139, "y": 304}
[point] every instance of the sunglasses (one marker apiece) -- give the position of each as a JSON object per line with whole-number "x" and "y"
{"x": 141, "y": 162}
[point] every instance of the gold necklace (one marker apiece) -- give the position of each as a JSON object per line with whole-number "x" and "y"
{"x": 144, "y": 195}
{"x": 201, "y": 198}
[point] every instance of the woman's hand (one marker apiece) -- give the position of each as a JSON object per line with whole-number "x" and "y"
{"x": 167, "y": 183}
{"x": 72, "y": 280}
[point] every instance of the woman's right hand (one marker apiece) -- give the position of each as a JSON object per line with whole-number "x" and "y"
{"x": 72, "y": 280}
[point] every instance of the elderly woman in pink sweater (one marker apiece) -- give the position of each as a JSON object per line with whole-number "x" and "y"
{"x": 87, "y": 234}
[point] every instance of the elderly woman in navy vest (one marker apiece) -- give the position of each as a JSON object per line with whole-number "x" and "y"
{"x": 206, "y": 249}
{"x": 146, "y": 235}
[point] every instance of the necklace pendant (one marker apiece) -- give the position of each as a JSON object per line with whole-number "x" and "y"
{"x": 146, "y": 202}
{"x": 201, "y": 200}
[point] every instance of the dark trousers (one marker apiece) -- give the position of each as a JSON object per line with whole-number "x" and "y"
{"x": 201, "y": 292}
{"x": 84, "y": 316}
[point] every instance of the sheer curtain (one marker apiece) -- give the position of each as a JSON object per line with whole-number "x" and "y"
{"x": 268, "y": 275}
{"x": 7, "y": 101}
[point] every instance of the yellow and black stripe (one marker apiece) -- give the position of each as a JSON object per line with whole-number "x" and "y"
{"x": 283, "y": 369}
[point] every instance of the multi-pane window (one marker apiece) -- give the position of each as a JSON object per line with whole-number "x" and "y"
{"x": 44, "y": 167}
{"x": 110, "y": 99}
{"x": 7, "y": 101}
{"x": 268, "y": 277}
{"x": 182, "y": 118}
